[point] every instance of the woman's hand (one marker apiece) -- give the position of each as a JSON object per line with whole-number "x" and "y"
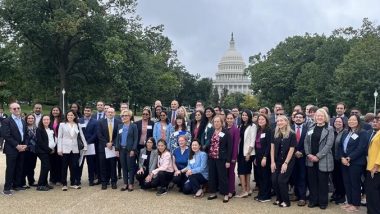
{"x": 176, "y": 173}
{"x": 228, "y": 165}
{"x": 263, "y": 162}
{"x": 284, "y": 167}
{"x": 273, "y": 167}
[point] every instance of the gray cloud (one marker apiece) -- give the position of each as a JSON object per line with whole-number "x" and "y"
{"x": 200, "y": 29}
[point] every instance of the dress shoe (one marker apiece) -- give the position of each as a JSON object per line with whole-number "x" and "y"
{"x": 323, "y": 207}
{"x": 33, "y": 184}
{"x": 91, "y": 184}
{"x": 7, "y": 192}
{"x": 312, "y": 205}
{"x": 212, "y": 197}
{"x": 340, "y": 200}
{"x": 20, "y": 188}
{"x": 123, "y": 188}
{"x": 50, "y": 187}
{"x": 42, "y": 188}
{"x": 293, "y": 198}
{"x": 114, "y": 186}
{"x": 301, "y": 203}
{"x": 104, "y": 187}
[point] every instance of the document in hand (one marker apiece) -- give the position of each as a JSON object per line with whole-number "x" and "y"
{"x": 110, "y": 153}
{"x": 90, "y": 149}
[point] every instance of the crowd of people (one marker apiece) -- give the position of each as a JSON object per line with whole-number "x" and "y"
{"x": 307, "y": 151}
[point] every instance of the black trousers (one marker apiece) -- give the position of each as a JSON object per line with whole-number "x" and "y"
{"x": 119, "y": 166}
{"x": 162, "y": 180}
{"x": 280, "y": 182}
{"x": 217, "y": 176}
{"x": 299, "y": 175}
{"x": 337, "y": 179}
{"x": 70, "y": 161}
{"x": 45, "y": 166}
{"x": 128, "y": 165}
{"x": 13, "y": 171}
{"x": 107, "y": 169}
{"x": 180, "y": 180}
{"x": 30, "y": 161}
{"x": 141, "y": 179}
{"x": 55, "y": 167}
{"x": 373, "y": 193}
{"x": 91, "y": 167}
{"x": 352, "y": 183}
{"x": 318, "y": 186}
{"x": 263, "y": 180}
{"x": 194, "y": 183}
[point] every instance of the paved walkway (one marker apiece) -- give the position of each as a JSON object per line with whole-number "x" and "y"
{"x": 94, "y": 200}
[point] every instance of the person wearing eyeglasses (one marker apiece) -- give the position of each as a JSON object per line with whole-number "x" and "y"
{"x": 147, "y": 162}
{"x": 162, "y": 128}
{"x": 14, "y": 132}
{"x": 144, "y": 128}
{"x": 126, "y": 148}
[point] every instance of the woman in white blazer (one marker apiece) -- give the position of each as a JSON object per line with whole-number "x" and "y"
{"x": 248, "y": 132}
{"x": 68, "y": 148}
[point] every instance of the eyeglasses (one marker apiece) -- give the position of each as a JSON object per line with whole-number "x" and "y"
{"x": 17, "y": 108}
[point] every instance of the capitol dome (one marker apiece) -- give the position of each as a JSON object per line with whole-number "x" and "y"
{"x": 230, "y": 73}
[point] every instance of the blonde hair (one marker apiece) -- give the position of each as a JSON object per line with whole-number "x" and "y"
{"x": 286, "y": 131}
{"x": 127, "y": 111}
{"x": 325, "y": 114}
{"x": 184, "y": 111}
{"x": 220, "y": 118}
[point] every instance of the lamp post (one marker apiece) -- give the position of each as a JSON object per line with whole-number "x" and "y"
{"x": 63, "y": 100}
{"x": 375, "y": 95}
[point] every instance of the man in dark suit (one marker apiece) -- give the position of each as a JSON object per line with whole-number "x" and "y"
{"x": 375, "y": 128}
{"x": 236, "y": 113}
{"x": 99, "y": 114}
{"x": 299, "y": 171}
{"x": 107, "y": 133}
{"x": 340, "y": 110}
{"x": 3, "y": 116}
{"x": 198, "y": 106}
{"x": 89, "y": 126}
{"x": 277, "y": 107}
{"x": 14, "y": 133}
{"x": 144, "y": 125}
{"x": 172, "y": 115}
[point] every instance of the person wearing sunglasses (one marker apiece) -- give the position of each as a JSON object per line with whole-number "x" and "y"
{"x": 126, "y": 148}
{"x": 144, "y": 128}
{"x": 162, "y": 128}
{"x": 14, "y": 132}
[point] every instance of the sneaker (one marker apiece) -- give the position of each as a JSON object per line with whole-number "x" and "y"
{"x": 264, "y": 200}
{"x": 64, "y": 188}
{"x": 7, "y": 192}
{"x": 161, "y": 191}
{"x": 75, "y": 187}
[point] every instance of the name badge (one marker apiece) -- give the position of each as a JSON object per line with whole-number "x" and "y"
{"x": 262, "y": 135}
{"x": 82, "y": 125}
{"x": 209, "y": 125}
{"x": 354, "y": 136}
{"x": 310, "y": 132}
{"x": 164, "y": 127}
{"x": 176, "y": 134}
{"x": 144, "y": 156}
{"x": 120, "y": 131}
{"x": 149, "y": 127}
{"x": 192, "y": 161}
{"x": 221, "y": 134}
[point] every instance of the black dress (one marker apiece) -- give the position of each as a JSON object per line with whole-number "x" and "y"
{"x": 244, "y": 167}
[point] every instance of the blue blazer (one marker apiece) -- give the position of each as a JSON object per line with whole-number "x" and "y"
{"x": 157, "y": 131}
{"x": 301, "y": 145}
{"x": 132, "y": 138}
{"x": 356, "y": 149}
{"x": 90, "y": 132}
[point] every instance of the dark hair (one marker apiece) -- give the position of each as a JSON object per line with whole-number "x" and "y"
{"x": 265, "y": 109}
{"x": 218, "y": 107}
{"x": 153, "y": 141}
{"x": 167, "y": 119}
{"x": 26, "y": 118}
{"x": 155, "y": 109}
{"x": 300, "y": 113}
{"x": 313, "y": 109}
{"x": 192, "y": 153}
{"x": 267, "y": 124}
{"x": 147, "y": 109}
{"x": 333, "y": 122}
{"x": 41, "y": 124}
{"x": 212, "y": 111}
{"x": 183, "y": 126}
{"x": 249, "y": 114}
{"x": 75, "y": 116}
{"x": 226, "y": 111}
{"x": 359, "y": 123}
{"x": 88, "y": 107}
{"x": 341, "y": 103}
{"x": 60, "y": 116}
{"x": 79, "y": 113}
{"x": 166, "y": 146}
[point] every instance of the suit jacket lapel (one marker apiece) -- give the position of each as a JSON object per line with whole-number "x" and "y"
{"x": 323, "y": 134}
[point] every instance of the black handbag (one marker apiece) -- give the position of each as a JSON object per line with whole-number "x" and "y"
{"x": 79, "y": 140}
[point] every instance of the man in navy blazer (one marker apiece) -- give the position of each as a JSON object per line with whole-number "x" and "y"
{"x": 89, "y": 127}
{"x": 106, "y": 139}
{"x": 14, "y": 133}
{"x": 299, "y": 171}
{"x": 375, "y": 128}
{"x": 172, "y": 115}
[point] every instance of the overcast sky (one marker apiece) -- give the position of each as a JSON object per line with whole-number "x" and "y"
{"x": 201, "y": 29}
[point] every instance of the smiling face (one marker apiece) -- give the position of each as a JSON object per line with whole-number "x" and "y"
{"x": 182, "y": 141}
{"x": 161, "y": 146}
{"x": 195, "y": 146}
{"x": 281, "y": 122}
{"x": 262, "y": 121}
{"x": 230, "y": 120}
{"x": 30, "y": 120}
{"x": 15, "y": 109}
{"x": 338, "y": 123}
{"x": 353, "y": 122}
{"x": 46, "y": 121}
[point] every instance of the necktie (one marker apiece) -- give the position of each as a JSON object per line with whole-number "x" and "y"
{"x": 99, "y": 116}
{"x": 298, "y": 134}
{"x": 173, "y": 118}
{"x": 110, "y": 130}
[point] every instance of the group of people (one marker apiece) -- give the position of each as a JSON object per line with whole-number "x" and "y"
{"x": 199, "y": 152}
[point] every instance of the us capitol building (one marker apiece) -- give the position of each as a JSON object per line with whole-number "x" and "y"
{"x": 230, "y": 73}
